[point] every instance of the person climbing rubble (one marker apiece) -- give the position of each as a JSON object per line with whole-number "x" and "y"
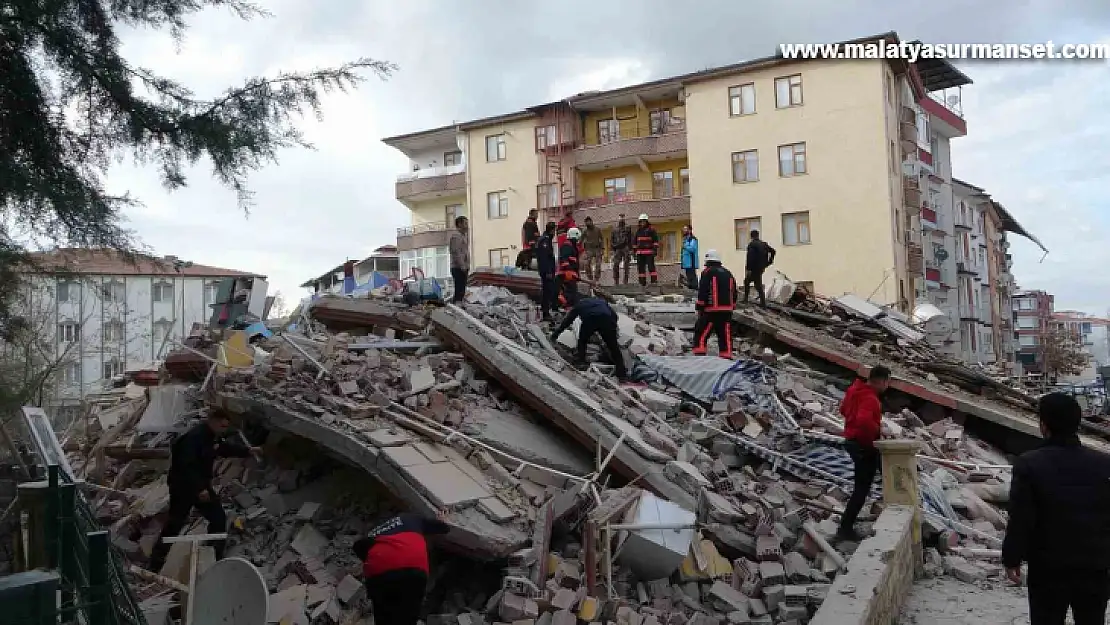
{"x": 395, "y": 568}
{"x": 646, "y": 246}
{"x": 620, "y": 241}
{"x": 597, "y": 317}
{"x": 546, "y": 265}
{"x": 715, "y": 303}
{"x": 863, "y": 417}
{"x": 760, "y": 257}
{"x": 568, "y": 275}
{"x": 190, "y": 481}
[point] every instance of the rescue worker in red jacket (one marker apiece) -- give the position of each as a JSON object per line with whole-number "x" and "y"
{"x": 395, "y": 566}
{"x": 564, "y": 226}
{"x": 863, "y": 417}
{"x": 716, "y": 301}
{"x": 568, "y": 275}
{"x": 645, "y": 245}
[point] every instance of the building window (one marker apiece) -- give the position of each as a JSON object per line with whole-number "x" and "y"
{"x": 114, "y": 292}
{"x": 547, "y": 196}
{"x": 163, "y": 329}
{"x": 497, "y": 204}
{"x": 450, "y": 212}
{"x": 741, "y": 100}
{"x": 795, "y": 228}
{"x": 495, "y": 148}
{"x": 615, "y": 189}
{"x": 112, "y": 368}
{"x": 608, "y": 130}
{"x": 662, "y": 183}
{"x": 745, "y": 166}
{"x": 792, "y": 160}
{"x": 68, "y": 332}
{"x": 68, "y": 291}
{"x": 668, "y": 247}
{"x": 1027, "y": 323}
{"x": 211, "y": 291}
{"x": 545, "y": 137}
{"x": 71, "y": 373}
{"x": 1027, "y": 340}
{"x": 788, "y": 91}
{"x": 684, "y": 178}
{"x": 1023, "y": 304}
{"x": 659, "y": 121}
{"x": 744, "y": 228}
{"x": 453, "y": 157}
{"x": 113, "y": 331}
{"x": 162, "y": 292}
{"x": 433, "y": 262}
{"x": 499, "y": 257}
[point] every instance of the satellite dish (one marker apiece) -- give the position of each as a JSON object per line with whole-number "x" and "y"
{"x": 231, "y": 592}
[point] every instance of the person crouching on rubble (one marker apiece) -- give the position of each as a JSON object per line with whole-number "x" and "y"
{"x": 863, "y": 418}
{"x": 190, "y": 481}
{"x": 597, "y": 317}
{"x": 395, "y": 568}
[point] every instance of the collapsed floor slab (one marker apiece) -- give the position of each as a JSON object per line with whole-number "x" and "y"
{"x": 346, "y": 313}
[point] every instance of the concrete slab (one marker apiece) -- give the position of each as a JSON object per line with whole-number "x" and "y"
{"x": 445, "y": 485}
{"x": 385, "y": 438}
{"x": 405, "y": 456}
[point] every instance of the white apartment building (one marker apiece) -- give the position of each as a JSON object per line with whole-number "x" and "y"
{"x": 103, "y": 315}
{"x": 1090, "y": 333}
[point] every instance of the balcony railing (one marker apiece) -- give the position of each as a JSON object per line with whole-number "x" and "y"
{"x": 431, "y": 182}
{"x": 631, "y": 140}
{"x": 434, "y": 234}
{"x": 657, "y": 206}
{"x": 929, "y": 215}
{"x": 434, "y": 226}
{"x": 432, "y": 172}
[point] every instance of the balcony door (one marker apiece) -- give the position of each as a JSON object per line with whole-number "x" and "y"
{"x": 615, "y": 189}
{"x": 608, "y": 130}
{"x": 663, "y": 184}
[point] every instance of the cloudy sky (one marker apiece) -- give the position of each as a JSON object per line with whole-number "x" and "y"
{"x": 1036, "y": 140}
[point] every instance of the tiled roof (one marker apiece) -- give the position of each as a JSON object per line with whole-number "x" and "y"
{"x": 111, "y": 262}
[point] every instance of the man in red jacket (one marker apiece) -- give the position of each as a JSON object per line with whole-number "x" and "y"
{"x": 863, "y": 416}
{"x": 395, "y": 566}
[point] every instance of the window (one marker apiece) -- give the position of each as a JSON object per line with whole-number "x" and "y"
{"x": 893, "y": 158}
{"x": 744, "y": 229}
{"x": 668, "y": 246}
{"x": 741, "y": 100}
{"x": 662, "y": 183}
{"x": 547, "y": 196}
{"x": 450, "y": 212}
{"x": 453, "y": 157}
{"x": 495, "y": 148}
{"x": 745, "y": 166}
{"x": 1027, "y": 340}
{"x": 434, "y": 262}
{"x": 1027, "y": 323}
{"x": 545, "y": 137}
{"x": 162, "y": 292}
{"x": 608, "y": 130}
{"x": 114, "y": 292}
{"x": 211, "y": 291}
{"x": 615, "y": 189}
{"x": 499, "y": 257}
{"x": 112, "y": 368}
{"x": 498, "y": 204}
{"x": 68, "y": 332}
{"x": 113, "y": 331}
{"x": 684, "y": 178}
{"x": 795, "y": 228}
{"x": 71, "y": 373}
{"x": 788, "y": 91}
{"x": 792, "y": 160}
{"x": 659, "y": 119}
{"x": 163, "y": 329}
{"x": 68, "y": 291}
{"x": 934, "y": 151}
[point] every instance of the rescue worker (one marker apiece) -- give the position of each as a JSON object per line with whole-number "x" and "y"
{"x": 529, "y": 236}
{"x": 546, "y": 265}
{"x": 715, "y": 303}
{"x": 620, "y": 242}
{"x": 760, "y": 257}
{"x": 564, "y": 226}
{"x": 190, "y": 481}
{"x": 394, "y": 559}
{"x": 459, "y": 247}
{"x": 568, "y": 268}
{"x": 690, "y": 257}
{"x": 593, "y": 246}
{"x": 597, "y": 317}
{"x": 646, "y": 246}
{"x": 863, "y": 417}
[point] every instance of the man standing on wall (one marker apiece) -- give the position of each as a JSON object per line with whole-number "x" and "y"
{"x": 529, "y": 236}
{"x": 459, "y": 248}
{"x": 760, "y": 257}
{"x": 646, "y": 245}
{"x": 863, "y": 417}
{"x": 593, "y": 246}
{"x": 546, "y": 264}
{"x": 620, "y": 241}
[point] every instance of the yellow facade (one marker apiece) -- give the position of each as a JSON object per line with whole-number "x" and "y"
{"x": 439, "y": 210}
{"x": 634, "y": 121}
{"x": 516, "y": 176}
{"x": 592, "y": 183}
{"x": 847, "y": 189}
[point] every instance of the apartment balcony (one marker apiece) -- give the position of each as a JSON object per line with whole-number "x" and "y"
{"x": 932, "y": 277}
{"x": 960, "y": 224}
{"x": 915, "y": 259}
{"x": 929, "y": 219}
{"x": 431, "y": 183}
{"x": 435, "y": 234}
{"x": 606, "y": 210}
{"x": 907, "y": 131}
{"x": 634, "y": 145}
{"x": 965, "y": 269}
{"x": 911, "y": 191}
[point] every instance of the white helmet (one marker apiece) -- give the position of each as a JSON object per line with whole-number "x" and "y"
{"x": 574, "y": 233}
{"x": 712, "y": 256}
{"x": 644, "y": 217}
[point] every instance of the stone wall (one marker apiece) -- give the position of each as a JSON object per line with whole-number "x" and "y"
{"x": 878, "y": 578}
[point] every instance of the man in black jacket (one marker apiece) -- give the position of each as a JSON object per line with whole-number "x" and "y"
{"x": 1060, "y": 520}
{"x": 597, "y": 316}
{"x": 190, "y": 481}
{"x": 546, "y": 265}
{"x": 529, "y": 237}
{"x": 716, "y": 301}
{"x": 760, "y": 257}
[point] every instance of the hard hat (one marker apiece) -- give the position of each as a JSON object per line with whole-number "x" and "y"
{"x": 643, "y": 217}
{"x": 712, "y": 256}
{"x": 574, "y": 233}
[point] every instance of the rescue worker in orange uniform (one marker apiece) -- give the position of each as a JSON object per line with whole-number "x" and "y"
{"x": 645, "y": 245}
{"x": 716, "y": 301}
{"x": 568, "y": 275}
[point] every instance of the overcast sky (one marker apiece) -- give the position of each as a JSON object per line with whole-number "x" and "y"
{"x": 1037, "y": 131}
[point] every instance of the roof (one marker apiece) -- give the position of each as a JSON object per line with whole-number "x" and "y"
{"x": 1010, "y": 224}
{"x": 110, "y": 262}
{"x": 938, "y": 74}
{"x": 385, "y": 251}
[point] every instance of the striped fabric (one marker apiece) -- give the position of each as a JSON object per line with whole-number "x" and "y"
{"x": 709, "y": 379}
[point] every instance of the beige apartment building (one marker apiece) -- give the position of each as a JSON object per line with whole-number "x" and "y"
{"x": 831, "y": 160}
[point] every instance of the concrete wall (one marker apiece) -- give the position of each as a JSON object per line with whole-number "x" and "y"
{"x": 517, "y": 175}
{"x": 434, "y": 211}
{"x": 847, "y": 190}
{"x": 879, "y": 576}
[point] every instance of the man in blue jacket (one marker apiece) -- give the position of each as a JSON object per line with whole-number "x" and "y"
{"x": 546, "y": 265}
{"x": 690, "y": 257}
{"x": 597, "y": 316}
